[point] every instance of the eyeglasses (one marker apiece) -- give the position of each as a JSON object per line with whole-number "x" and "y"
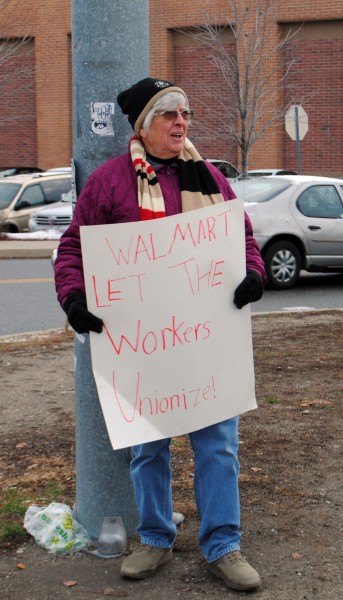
{"x": 170, "y": 115}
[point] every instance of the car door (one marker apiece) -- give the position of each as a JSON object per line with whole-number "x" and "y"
{"x": 319, "y": 213}
{"x": 31, "y": 198}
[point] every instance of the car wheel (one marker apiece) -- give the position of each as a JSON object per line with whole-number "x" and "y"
{"x": 9, "y": 228}
{"x": 283, "y": 264}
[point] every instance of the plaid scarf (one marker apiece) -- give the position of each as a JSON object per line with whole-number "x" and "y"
{"x": 197, "y": 186}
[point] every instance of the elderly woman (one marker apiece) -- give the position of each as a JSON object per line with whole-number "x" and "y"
{"x": 162, "y": 174}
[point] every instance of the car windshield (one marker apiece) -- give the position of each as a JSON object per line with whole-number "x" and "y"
{"x": 259, "y": 189}
{"x": 67, "y": 197}
{"x": 7, "y": 172}
{"x": 7, "y": 193}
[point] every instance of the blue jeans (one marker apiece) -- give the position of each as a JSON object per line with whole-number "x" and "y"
{"x": 215, "y": 486}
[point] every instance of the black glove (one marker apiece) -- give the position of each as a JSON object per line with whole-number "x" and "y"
{"x": 249, "y": 290}
{"x": 79, "y": 317}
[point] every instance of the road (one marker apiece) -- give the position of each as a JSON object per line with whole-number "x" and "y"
{"x": 28, "y": 298}
{"x": 313, "y": 291}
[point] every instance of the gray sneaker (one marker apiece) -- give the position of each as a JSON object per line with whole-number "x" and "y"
{"x": 144, "y": 561}
{"x": 235, "y": 571}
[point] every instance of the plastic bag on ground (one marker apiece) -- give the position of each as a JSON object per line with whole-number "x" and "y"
{"x": 55, "y": 529}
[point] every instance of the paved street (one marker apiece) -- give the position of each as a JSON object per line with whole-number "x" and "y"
{"x": 28, "y": 298}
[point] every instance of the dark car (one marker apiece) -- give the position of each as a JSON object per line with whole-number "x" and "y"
{"x": 225, "y": 167}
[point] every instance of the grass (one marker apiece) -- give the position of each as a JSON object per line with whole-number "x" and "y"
{"x": 12, "y": 502}
{"x": 13, "y": 505}
{"x": 272, "y": 400}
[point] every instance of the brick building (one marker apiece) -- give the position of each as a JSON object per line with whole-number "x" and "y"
{"x": 35, "y": 121}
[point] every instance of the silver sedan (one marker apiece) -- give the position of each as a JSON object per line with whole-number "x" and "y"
{"x": 297, "y": 222}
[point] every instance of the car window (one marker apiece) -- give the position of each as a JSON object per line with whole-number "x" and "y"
{"x": 54, "y": 188}
{"x": 321, "y": 201}
{"x": 259, "y": 174}
{"x": 67, "y": 197}
{"x": 227, "y": 169}
{"x": 259, "y": 189}
{"x": 8, "y": 192}
{"x": 7, "y": 173}
{"x": 224, "y": 167}
{"x": 31, "y": 196}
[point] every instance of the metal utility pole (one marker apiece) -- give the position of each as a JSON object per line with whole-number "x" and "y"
{"x": 110, "y": 52}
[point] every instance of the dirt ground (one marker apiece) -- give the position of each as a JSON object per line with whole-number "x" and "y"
{"x": 291, "y": 471}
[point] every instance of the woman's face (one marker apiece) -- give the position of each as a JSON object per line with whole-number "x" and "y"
{"x": 165, "y": 138}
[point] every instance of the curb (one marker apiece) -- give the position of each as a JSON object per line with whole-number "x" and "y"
{"x": 27, "y": 248}
{"x": 36, "y": 337}
{"x": 45, "y": 334}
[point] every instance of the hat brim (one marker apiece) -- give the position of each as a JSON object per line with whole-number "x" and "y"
{"x": 140, "y": 120}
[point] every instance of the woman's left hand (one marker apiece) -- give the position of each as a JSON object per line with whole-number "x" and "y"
{"x": 249, "y": 290}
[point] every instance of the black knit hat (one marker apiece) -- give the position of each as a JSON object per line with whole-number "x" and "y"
{"x": 141, "y": 97}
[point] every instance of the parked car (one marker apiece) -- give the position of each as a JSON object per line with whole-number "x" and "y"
{"x": 228, "y": 169}
{"x": 21, "y": 195}
{"x": 59, "y": 170}
{"x": 267, "y": 172}
{"x": 9, "y": 171}
{"x": 59, "y": 215}
{"x": 297, "y": 222}
{"x": 56, "y": 216}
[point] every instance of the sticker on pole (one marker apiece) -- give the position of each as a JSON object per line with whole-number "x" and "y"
{"x": 101, "y": 121}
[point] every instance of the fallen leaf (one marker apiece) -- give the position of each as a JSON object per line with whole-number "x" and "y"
{"x": 69, "y": 583}
{"x": 255, "y": 469}
{"x": 296, "y": 555}
{"x": 20, "y": 566}
{"x": 244, "y": 477}
{"x": 115, "y": 592}
{"x": 21, "y": 445}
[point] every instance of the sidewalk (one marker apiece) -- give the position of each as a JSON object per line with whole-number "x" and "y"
{"x": 24, "y": 248}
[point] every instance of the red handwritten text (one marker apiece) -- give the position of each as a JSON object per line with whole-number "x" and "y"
{"x": 133, "y": 284}
{"x": 197, "y": 280}
{"x": 140, "y": 248}
{"x": 156, "y": 404}
{"x": 148, "y": 342}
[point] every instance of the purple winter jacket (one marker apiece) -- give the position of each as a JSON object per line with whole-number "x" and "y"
{"x": 110, "y": 196}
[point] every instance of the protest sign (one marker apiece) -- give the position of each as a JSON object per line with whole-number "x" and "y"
{"x": 175, "y": 354}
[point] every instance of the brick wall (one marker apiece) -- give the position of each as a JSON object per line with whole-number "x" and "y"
{"x": 275, "y": 148}
{"x": 42, "y": 136}
{"x": 18, "y": 124}
{"x": 45, "y": 122}
{"x": 205, "y": 87}
{"x": 317, "y": 75}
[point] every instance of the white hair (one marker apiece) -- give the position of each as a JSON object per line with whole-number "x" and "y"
{"x": 169, "y": 101}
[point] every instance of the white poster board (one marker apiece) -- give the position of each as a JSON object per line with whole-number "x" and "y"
{"x": 175, "y": 354}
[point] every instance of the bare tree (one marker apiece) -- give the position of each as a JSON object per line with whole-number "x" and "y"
{"x": 14, "y": 73}
{"x": 16, "y": 70}
{"x": 256, "y": 77}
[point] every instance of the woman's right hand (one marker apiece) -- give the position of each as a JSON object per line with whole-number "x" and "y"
{"x": 79, "y": 317}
